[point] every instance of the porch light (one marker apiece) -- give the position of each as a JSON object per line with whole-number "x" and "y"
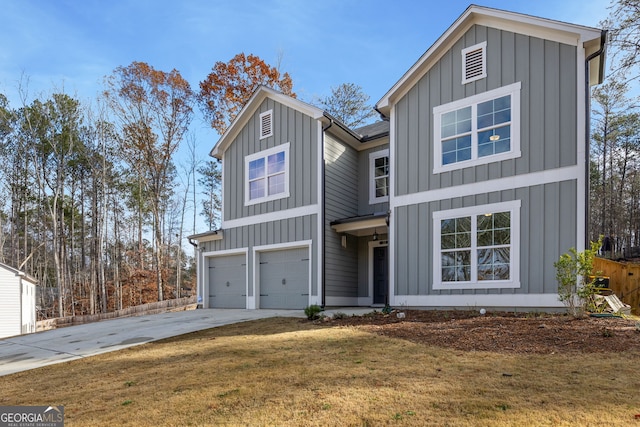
{"x": 375, "y": 235}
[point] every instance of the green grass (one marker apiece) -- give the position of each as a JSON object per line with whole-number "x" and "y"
{"x": 288, "y": 372}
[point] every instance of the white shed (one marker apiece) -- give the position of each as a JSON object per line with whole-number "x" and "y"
{"x": 17, "y": 302}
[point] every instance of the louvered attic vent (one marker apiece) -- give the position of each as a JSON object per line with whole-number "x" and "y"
{"x": 266, "y": 124}
{"x": 474, "y": 62}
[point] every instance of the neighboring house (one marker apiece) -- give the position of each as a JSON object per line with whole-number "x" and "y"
{"x": 464, "y": 196}
{"x": 17, "y": 302}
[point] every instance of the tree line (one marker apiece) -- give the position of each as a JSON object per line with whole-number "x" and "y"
{"x": 615, "y": 137}
{"x": 94, "y": 206}
{"x": 93, "y": 203}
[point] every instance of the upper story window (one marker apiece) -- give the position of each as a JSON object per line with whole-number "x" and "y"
{"x": 379, "y": 177}
{"x": 477, "y": 247}
{"x": 267, "y": 175}
{"x": 266, "y": 124}
{"x": 474, "y": 63}
{"x": 480, "y": 129}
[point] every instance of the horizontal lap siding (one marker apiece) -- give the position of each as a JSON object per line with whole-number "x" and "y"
{"x": 10, "y": 321}
{"x": 341, "y": 201}
{"x": 547, "y": 210}
{"x": 547, "y": 71}
{"x": 291, "y": 126}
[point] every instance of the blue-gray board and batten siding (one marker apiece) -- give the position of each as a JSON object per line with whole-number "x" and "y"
{"x": 548, "y": 128}
{"x": 289, "y": 126}
{"x": 547, "y": 71}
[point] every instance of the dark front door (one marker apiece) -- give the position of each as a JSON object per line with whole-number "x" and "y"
{"x": 380, "y": 275}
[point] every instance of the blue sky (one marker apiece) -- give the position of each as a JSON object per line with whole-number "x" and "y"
{"x": 70, "y": 45}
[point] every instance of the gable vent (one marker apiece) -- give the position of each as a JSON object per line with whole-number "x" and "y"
{"x": 474, "y": 63}
{"x": 266, "y": 124}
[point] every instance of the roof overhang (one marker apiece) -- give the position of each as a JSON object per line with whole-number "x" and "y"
{"x": 208, "y": 236}
{"x": 571, "y": 34}
{"x": 259, "y": 95}
{"x": 362, "y": 225}
{"x": 19, "y": 273}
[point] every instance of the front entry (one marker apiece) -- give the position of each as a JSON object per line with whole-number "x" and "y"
{"x": 380, "y": 275}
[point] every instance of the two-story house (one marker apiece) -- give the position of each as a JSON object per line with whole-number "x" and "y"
{"x": 464, "y": 196}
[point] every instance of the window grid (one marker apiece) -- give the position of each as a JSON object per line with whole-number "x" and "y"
{"x": 477, "y": 247}
{"x": 267, "y": 175}
{"x": 379, "y": 173}
{"x": 476, "y": 130}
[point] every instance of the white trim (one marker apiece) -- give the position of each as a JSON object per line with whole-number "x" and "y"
{"x": 205, "y": 272}
{"x": 264, "y": 154}
{"x": 514, "y": 269}
{"x": 372, "y": 245}
{"x": 391, "y": 229}
{"x": 372, "y": 178}
{"x": 223, "y": 189}
{"x": 527, "y": 25}
{"x": 247, "y": 113}
{"x": 479, "y": 301}
{"x": 317, "y": 299}
{"x": 272, "y": 216}
{"x": 508, "y": 183}
{"x": 269, "y": 114}
{"x": 581, "y": 153}
{"x": 256, "y": 250}
{"x": 514, "y": 152}
{"x": 483, "y": 73}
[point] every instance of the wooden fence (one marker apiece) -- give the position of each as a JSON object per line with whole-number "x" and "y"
{"x": 179, "y": 304}
{"x": 624, "y": 280}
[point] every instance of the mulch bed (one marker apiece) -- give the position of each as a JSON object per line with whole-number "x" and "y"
{"x": 502, "y": 332}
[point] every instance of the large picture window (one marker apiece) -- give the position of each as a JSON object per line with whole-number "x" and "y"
{"x": 267, "y": 175}
{"x": 477, "y": 247}
{"x": 476, "y": 130}
{"x": 379, "y": 177}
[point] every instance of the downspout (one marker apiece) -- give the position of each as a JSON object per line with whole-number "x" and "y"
{"x": 198, "y": 276}
{"x": 587, "y": 120}
{"x": 322, "y": 214}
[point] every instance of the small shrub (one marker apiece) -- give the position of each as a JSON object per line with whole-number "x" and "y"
{"x": 313, "y": 312}
{"x": 574, "y": 272}
{"x": 339, "y": 315}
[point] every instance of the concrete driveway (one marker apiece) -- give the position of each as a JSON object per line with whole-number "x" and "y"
{"x": 31, "y": 351}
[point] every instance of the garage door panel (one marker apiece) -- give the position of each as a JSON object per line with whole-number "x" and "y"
{"x": 227, "y": 282}
{"x": 284, "y": 279}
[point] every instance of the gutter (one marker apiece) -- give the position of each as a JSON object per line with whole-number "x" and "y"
{"x": 587, "y": 90}
{"x": 322, "y": 213}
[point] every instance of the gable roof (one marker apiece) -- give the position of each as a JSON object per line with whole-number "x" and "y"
{"x": 259, "y": 95}
{"x": 571, "y": 34}
{"x": 19, "y": 273}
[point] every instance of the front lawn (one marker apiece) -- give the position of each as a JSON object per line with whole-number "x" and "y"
{"x": 291, "y": 372}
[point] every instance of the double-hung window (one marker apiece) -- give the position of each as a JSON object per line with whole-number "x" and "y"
{"x": 267, "y": 175}
{"x": 480, "y": 129}
{"x": 477, "y": 247}
{"x": 379, "y": 177}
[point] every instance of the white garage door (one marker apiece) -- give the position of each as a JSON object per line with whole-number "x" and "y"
{"x": 284, "y": 279}
{"x": 227, "y": 282}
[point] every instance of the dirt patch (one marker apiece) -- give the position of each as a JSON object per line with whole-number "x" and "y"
{"x": 501, "y": 332}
